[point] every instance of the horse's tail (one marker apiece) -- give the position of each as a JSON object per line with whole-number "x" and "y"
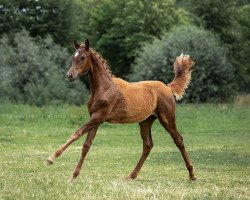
{"x": 183, "y": 66}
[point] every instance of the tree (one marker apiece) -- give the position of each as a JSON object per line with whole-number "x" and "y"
{"x": 212, "y": 80}
{"x": 240, "y": 49}
{"x": 118, "y": 28}
{"x": 61, "y": 19}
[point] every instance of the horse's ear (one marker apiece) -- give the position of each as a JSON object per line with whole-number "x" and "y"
{"x": 76, "y": 44}
{"x": 87, "y": 44}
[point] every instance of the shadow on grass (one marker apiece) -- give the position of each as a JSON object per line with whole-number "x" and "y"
{"x": 205, "y": 157}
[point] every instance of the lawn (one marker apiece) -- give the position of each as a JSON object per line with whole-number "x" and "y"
{"x": 216, "y": 137}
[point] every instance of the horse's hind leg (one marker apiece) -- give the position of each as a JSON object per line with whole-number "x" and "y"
{"x": 168, "y": 122}
{"x": 145, "y": 130}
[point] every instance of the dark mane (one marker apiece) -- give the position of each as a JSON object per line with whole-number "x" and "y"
{"x": 101, "y": 60}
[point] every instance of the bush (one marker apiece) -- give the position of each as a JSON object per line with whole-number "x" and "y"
{"x": 212, "y": 80}
{"x": 34, "y": 72}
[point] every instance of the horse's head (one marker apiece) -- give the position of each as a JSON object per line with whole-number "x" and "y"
{"x": 81, "y": 62}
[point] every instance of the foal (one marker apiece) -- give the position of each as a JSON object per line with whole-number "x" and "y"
{"x": 114, "y": 100}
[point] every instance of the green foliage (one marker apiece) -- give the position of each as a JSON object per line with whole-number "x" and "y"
{"x": 58, "y": 18}
{"x": 215, "y": 15}
{"x": 118, "y": 28}
{"x": 240, "y": 48}
{"x": 230, "y": 20}
{"x": 34, "y": 72}
{"x": 213, "y": 78}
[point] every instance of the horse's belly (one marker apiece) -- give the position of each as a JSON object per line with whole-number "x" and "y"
{"x": 124, "y": 120}
{"x": 131, "y": 113}
{"x": 138, "y": 103}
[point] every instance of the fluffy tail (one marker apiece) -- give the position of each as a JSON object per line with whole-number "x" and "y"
{"x": 183, "y": 66}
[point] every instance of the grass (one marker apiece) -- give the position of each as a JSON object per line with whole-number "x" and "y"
{"x": 216, "y": 137}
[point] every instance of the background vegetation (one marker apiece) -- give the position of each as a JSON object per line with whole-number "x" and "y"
{"x": 34, "y": 72}
{"x": 36, "y": 41}
{"x": 140, "y": 39}
{"x": 204, "y": 48}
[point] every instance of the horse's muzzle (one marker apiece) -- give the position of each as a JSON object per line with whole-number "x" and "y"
{"x": 71, "y": 77}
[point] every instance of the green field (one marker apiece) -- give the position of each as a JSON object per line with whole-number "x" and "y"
{"x": 216, "y": 137}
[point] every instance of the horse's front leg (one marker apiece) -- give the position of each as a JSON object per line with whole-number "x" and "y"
{"x": 94, "y": 122}
{"x": 86, "y": 146}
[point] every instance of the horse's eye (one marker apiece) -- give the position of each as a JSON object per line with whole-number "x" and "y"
{"x": 82, "y": 58}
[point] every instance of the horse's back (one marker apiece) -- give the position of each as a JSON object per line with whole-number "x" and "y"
{"x": 144, "y": 88}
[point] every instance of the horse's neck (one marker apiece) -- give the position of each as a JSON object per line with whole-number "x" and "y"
{"x": 99, "y": 77}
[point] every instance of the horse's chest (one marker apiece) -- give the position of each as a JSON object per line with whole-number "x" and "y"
{"x": 96, "y": 105}
{"x": 103, "y": 102}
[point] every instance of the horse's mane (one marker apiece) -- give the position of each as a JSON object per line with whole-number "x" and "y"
{"x": 102, "y": 60}
{"x": 98, "y": 57}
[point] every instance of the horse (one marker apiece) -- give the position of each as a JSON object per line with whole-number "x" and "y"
{"x": 115, "y": 100}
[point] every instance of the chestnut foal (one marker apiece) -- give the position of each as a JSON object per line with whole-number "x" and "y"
{"x": 114, "y": 100}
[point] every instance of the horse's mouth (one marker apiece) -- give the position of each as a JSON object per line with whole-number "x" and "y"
{"x": 72, "y": 80}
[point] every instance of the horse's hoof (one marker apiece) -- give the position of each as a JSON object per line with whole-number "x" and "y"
{"x": 48, "y": 162}
{"x": 192, "y": 178}
{"x": 71, "y": 179}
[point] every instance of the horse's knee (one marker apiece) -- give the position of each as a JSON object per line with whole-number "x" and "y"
{"x": 179, "y": 142}
{"x": 76, "y": 135}
{"x": 87, "y": 145}
{"x": 147, "y": 148}
{"x": 181, "y": 138}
